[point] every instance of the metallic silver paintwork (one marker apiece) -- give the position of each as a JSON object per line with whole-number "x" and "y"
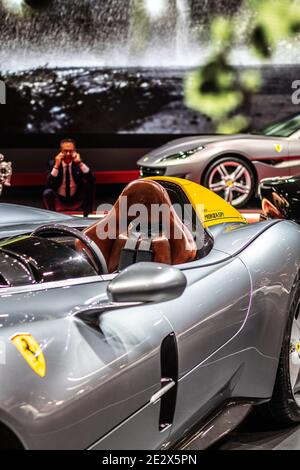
{"x": 160, "y": 283}
{"x": 17, "y": 219}
{"x": 103, "y": 360}
{"x": 83, "y": 395}
{"x": 13, "y": 214}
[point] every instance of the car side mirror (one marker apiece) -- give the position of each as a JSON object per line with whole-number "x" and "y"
{"x": 147, "y": 282}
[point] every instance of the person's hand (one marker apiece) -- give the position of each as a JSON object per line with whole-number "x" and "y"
{"x": 58, "y": 160}
{"x": 76, "y": 158}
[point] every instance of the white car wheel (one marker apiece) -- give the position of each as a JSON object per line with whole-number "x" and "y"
{"x": 232, "y": 179}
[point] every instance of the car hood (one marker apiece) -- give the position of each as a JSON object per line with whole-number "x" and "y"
{"x": 17, "y": 220}
{"x": 12, "y": 214}
{"x": 189, "y": 143}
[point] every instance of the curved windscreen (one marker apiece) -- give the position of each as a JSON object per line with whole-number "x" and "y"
{"x": 28, "y": 260}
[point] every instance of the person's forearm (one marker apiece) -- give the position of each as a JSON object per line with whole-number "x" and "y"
{"x": 83, "y": 167}
{"x": 54, "y": 172}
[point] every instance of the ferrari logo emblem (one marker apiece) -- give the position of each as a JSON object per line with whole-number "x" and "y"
{"x": 278, "y": 148}
{"x": 31, "y": 352}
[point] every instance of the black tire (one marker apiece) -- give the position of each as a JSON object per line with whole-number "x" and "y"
{"x": 226, "y": 159}
{"x": 283, "y": 407}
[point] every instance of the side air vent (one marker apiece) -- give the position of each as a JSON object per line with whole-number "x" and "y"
{"x": 169, "y": 379}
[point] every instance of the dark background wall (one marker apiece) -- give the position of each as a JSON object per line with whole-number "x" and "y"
{"x": 112, "y": 77}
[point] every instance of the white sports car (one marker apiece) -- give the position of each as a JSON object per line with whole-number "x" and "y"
{"x": 233, "y": 165}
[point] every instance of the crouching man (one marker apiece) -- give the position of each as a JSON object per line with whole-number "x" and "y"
{"x": 70, "y": 182}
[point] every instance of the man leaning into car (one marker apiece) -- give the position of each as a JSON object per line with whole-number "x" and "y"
{"x": 70, "y": 182}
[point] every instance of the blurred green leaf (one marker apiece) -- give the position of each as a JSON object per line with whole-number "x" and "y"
{"x": 276, "y": 20}
{"x": 260, "y": 43}
{"x": 140, "y": 28}
{"x": 222, "y": 32}
{"x": 214, "y": 102}
{"x": 219, "y": 90}
{"x": 251, "y": 80}
{"x": 234, "y": 125}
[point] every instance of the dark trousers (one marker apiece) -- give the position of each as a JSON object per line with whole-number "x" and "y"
{"x": 84, "y": 199}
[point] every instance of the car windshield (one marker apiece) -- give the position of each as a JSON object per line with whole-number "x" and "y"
{"x": 283, "y": 128}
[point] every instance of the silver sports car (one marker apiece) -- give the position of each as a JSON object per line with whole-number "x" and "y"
{"x": 232, "y": 166}
{"x": 171, "y": 351}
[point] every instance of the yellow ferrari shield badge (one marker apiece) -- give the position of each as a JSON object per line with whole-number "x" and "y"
{"x": 278, "y": 148}
{"x": 31, "y": 351}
